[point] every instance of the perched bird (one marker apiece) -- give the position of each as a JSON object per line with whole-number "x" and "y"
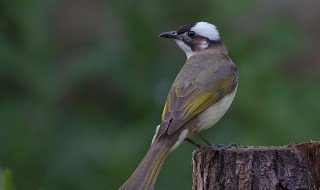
{"x": 200, "y": 95}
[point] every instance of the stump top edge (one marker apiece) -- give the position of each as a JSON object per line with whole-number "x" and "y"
{"x": 241, "y": 148}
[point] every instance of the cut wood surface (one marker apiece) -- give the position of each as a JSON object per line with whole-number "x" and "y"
{"x": 294, "y": 166}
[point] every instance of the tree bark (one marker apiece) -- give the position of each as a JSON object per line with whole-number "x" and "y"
{"x": 294, "y": 166}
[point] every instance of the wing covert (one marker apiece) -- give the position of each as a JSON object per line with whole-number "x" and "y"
{"x": 186, "y": 101}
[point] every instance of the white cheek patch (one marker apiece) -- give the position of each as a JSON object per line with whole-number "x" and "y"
{"x": 185, "y": 48}
{"x": 206, "y": 30}
{"x": 203, "y": 45}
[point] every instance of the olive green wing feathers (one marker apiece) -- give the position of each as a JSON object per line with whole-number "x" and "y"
{"x": 186, "y": 101}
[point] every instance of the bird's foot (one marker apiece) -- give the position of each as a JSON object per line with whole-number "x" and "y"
{"x": 220, "y": 147}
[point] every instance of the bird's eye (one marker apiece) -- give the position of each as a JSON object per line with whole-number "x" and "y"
{"x": 191, "y": 34}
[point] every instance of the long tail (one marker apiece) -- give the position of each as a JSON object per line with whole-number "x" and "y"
{"x": 144, "y": 177}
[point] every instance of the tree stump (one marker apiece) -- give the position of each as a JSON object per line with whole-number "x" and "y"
{"x": 294, "y": 166}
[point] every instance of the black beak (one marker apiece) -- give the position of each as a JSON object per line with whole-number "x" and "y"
{"x": 170, "y": 34}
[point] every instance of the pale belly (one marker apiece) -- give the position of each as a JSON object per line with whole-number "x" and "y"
{"x": 214, "y": 113}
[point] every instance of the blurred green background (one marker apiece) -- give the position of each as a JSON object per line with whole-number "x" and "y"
{"x": 83, "y": 83}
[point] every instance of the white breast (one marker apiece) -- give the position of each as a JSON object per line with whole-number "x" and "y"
{"x": 213, "y": 114}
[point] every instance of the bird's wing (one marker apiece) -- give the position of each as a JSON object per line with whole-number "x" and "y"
{"x": 185, "y": 102}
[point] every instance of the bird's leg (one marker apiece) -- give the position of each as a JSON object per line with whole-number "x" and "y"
{"x": 204, "y": 139}
{"x": 193, "y": 143}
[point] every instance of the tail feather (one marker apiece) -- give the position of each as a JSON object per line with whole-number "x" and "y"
{"x": 144, "y": 177}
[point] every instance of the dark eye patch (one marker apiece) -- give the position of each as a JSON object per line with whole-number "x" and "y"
{"x": 191, "y": 34}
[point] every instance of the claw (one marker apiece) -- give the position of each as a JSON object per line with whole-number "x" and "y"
{"x": 219, "y": 147}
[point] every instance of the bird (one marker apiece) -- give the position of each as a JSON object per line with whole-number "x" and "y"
{"x": 200, "y": 95}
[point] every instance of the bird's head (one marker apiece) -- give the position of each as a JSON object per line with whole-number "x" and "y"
{"x": 194, "y": 37}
